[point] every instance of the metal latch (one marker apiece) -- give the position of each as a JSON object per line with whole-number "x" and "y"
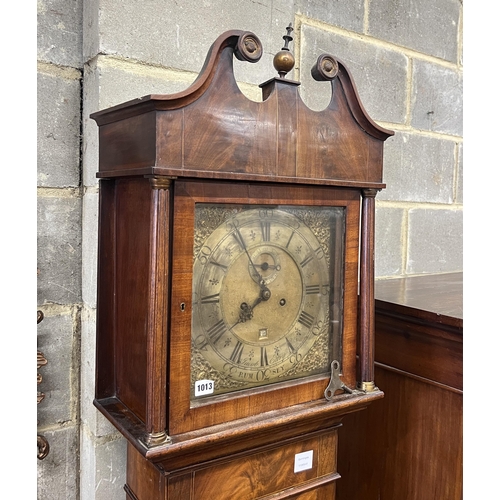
{"x": 335, "y": 382}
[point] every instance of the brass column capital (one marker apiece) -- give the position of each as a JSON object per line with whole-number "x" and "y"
{"x": 160, "y": 182}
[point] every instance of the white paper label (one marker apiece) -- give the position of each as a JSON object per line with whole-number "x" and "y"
{"x": 203, "y": 387}
{"x": 303, "y": 461}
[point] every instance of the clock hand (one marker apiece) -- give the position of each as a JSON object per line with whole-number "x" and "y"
{"x": 265, "y": 294}
{"x": 265, "y": 266}
{"x": 241, "y": 242}
{"x": 246, "y": 311}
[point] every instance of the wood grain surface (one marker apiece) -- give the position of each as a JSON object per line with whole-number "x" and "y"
{"x": 410, "y": 444}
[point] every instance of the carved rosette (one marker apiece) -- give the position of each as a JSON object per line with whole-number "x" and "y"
{"x": 326, "y": 68}
{"x": 248, "y": 48}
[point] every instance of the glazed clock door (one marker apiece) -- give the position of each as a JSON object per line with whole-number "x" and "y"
{"x": 262, "y": 293}
{"x": 258, "y": 290}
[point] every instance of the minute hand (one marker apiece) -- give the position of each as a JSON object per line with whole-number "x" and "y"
{"x": 241, "y": 242}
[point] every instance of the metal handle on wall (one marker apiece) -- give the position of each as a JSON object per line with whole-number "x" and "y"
{"x": 41, "y": 441}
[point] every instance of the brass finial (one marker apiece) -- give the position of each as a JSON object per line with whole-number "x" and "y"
{"x": 287, "y": 37}
{"x": 284, "y": 61}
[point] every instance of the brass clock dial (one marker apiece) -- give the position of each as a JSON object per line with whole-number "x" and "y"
{"x": 262, "y": 295}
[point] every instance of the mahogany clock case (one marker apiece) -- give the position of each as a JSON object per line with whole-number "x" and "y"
{"x": 127, "y": 241}
{"x": 162, "y": 155}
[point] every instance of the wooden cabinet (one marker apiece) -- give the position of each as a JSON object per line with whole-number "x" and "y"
{"x": 409, "y": 445}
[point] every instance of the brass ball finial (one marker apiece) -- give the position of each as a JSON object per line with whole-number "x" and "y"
{"x": 284, "y": 61}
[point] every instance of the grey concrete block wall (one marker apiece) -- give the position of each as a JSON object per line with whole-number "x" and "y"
{"x": 406, "y": 60}
{"x": 390, "y": 225}
{"x": 426, "y": 26}
{"x": 379, "y": 72}
{"x": 59, "y": 226}
{"x": 459, "y": 178}
{"x": 58, "y": 473}
{"x": 436, "y": 101}
{"x": 346, "y": 15}
{"x": 59, "y": 242}
{"x": 58, "y": 126}
{"x": 59, "y": 32}
{"x": 435, "y": 240}
{"x": 419, "y": 168}
{"x": 59, "y": 340}
{"x": 103, "y": 474}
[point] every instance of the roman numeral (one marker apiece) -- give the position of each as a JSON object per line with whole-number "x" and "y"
{"x": 307, "y": 260}
{"x": 263, "y": 357}
{"x": 219, "y": 265}
{"x": 237, "y": 352}
{"x": 265, "y": 227}
{"x": 289, "y": 345}
{"x": 239, "y": 239}
{"x": 210, "y": 299}
{"x": 216, "y": 331}
{"x": 312, "y": 289}
{"x": 318, "y": 252}
{"x": 306, "y": 319}
{"x": 289, "y": 240}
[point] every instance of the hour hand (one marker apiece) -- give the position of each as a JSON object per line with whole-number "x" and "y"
{"x": 246, "y": 311}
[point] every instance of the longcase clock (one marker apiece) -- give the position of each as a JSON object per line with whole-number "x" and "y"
{"x": 235, "y": 280}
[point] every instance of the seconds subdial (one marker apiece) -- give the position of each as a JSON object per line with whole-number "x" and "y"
{"x": 267, "y": 262}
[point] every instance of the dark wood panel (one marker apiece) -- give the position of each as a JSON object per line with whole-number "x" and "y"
{"x": 106, "y": 264}
{"x": 437, "y": 298}
{"x": 132, "y": 291}
{"x": 180, "y": 486}
{"x": 419, "y": 326}
{"x": 409, "y": 445}
{"x": 144, "y": 480}
{"x": 225, "y": 131}
{"x": 354, "y": 148}
{"x": 408, "y": 346}
{"x": 260, "y": 474}
{"x": 324, "y": 492}
{"x": 129, "y": 147}
{"x": 263, "y": 473}
{"x": 213, "y": 129}
{"x": 169, "y": 139}
{"x": 287, "y": 137}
